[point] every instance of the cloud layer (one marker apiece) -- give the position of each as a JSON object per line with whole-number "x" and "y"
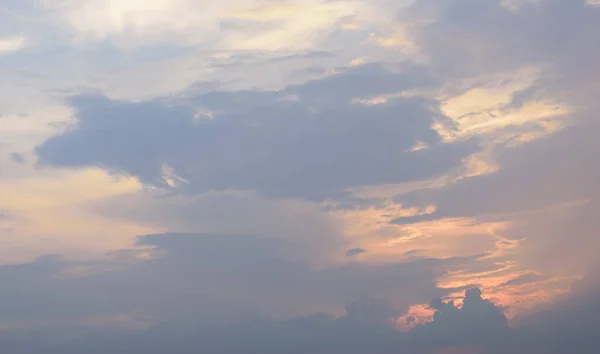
{"x": 309, "y": 176}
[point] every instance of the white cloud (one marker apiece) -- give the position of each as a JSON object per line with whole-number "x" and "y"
{"x": 10, "y": 45}
{"x": 229, "y": 44}
{"x": 485, "y": 108}
{"x": 99, "y": 19}
{"x": 399, "y": 39}
{"x": 229, "y": 24}
{"x": 515, "y": 5}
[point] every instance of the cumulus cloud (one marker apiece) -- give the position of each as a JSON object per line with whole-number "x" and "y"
{"x": 474, "y": 321}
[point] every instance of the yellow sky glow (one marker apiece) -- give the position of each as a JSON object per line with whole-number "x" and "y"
{"x": 50, "y": 215}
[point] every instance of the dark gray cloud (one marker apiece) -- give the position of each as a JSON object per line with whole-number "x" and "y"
{"x": 305, "y": 141}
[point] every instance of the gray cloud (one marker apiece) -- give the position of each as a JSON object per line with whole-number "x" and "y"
{"x": 573, "y": 314}
{"x": 540, "y": 175}
{"x": 529, "y": 177}
{"x": 17, "y": 158}
{"x": 478, "y": 320}
{"x": 310, "y": 141}
{"x": 559, "y": 38}
{"x": 203, "y": 280}
{"x": 314, "y": 146}
{"x": 478, "y": 326}
{"x": 406, "y": 220}
{"x": 474, "y": 37}
{"x": 355, "y": 252}
{"x": 201, "y": 296}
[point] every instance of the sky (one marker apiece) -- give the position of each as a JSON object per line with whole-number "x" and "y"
{"x": 299, "y": 176}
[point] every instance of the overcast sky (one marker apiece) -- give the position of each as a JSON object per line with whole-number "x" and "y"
{"x": 299, "y": 176}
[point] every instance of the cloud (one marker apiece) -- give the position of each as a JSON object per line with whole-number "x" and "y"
{"x": 477, "y": 320}
{"x": 355, "y": 252}
{"x": 204, "y": 280}
{"x": 548, "y": 208}
{"x": 132, "y": 50}
{"x": 568, "y": 324}
{"x": 9, "y": 45}
{"x": 314, "y": 147}
{"x": 574, "y": 313}
{"x": 382, "y": 161}
{"x": 226, "y": 293}
{"x": 487, "y": 37}
{"x": 538, "y": 177}
{"x": 16, "y": 157}
{"x": 407, "y": 220}
{"x": 365, "y": 326}
{"x": 222, "y": 25}
{"x": 311, "y": 235}
{"x": 284, "y": 158}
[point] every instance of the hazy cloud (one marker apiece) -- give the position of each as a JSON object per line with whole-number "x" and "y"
{"x": 202, "y": 279}
{"x": 308, "y": 175}
{"x": 478, "y": 326}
